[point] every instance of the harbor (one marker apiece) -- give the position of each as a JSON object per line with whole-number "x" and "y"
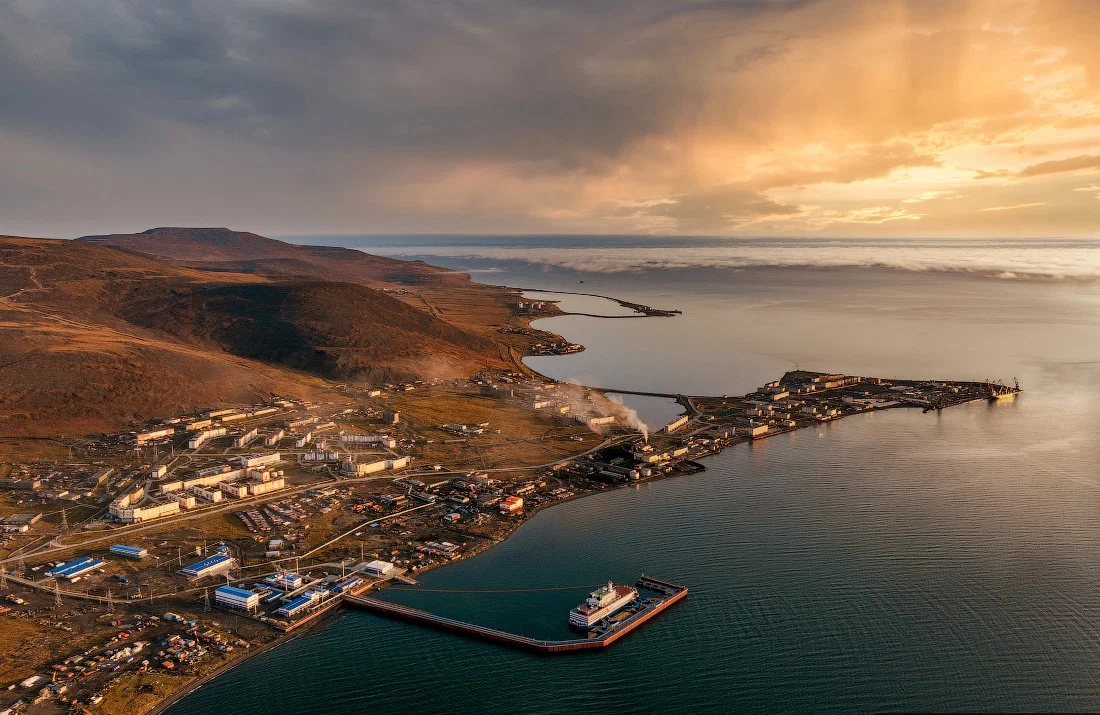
{"x": 637, "y": 614}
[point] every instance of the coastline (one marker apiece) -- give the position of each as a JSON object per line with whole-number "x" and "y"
{"x": 483, "y": 546}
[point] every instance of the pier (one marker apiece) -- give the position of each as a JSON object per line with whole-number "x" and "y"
{"x": 670, "y": 594}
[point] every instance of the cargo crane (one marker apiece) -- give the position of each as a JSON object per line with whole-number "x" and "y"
{"x": 998, "y": 390}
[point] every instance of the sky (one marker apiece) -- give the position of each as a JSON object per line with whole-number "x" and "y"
{"x": 939, "y": 118}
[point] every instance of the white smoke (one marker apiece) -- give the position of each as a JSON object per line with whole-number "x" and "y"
{"x": 587, "y": 403}
{"x": 628, "y": 415}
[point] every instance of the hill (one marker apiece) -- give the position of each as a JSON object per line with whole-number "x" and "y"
{"x": 96, "y": 336}
{"x": 222, "y": 249}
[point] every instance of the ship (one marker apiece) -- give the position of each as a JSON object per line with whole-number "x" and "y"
{"x": 605, "y": 601}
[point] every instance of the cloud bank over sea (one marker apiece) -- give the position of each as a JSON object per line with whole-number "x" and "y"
{"x": 1060, "y": 259}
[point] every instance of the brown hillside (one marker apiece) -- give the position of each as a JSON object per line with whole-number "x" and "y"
{"x": 451, "y": 296}
{"x": 94, "y": 337}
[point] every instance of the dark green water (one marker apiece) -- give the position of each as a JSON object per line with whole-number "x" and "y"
{"x": 890, "y": 561}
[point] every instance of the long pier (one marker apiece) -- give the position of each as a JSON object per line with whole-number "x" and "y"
{"x": 672, "y": 593}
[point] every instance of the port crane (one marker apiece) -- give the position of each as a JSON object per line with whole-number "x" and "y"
{"x": 998, "y": 389}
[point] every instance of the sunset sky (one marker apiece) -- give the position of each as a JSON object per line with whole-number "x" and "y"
{"x": 739, "y": 117}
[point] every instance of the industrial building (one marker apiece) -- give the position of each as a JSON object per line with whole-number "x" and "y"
{"x": 210, "y": 566}
{"x": 379, "y": 568}
{"x": 130, "y": 552}
{"x": 286, "y": 580}
{"x": 75, "y": 569}
{"x": 237, "y": 598}
{"x": 676, "y": 424}
{"x": 299, "y": 604}
{"x": 594, "y": 421}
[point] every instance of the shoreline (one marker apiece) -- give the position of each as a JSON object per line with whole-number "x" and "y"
{"x": 285, "y": 638}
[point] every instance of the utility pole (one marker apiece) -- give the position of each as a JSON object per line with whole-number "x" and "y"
{"x": 56, "y": 595}
{"x": 3, "y": 577}
{"x": 64, "y": 519}
{"x": 206, "y": 600}
{"x": 110, "y": 603}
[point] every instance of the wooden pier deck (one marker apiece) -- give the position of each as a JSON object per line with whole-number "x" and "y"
{"x": 671, "y": 594}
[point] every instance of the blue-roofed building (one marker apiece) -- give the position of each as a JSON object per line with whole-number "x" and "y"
{"x": 299, "y": 604}
{"x": 75, "y": 568}
{"x": 210, "y": 566}
{"x": 130, "y": 552}
{"x": 237, "y": 598}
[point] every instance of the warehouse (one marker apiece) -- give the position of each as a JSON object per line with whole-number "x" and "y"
{"x": 211, "y": 566}
{"x": 237, "y": 598}
{"x": 299, "y": 604}
{"x": 75, "y": 569}
{"x": 379, "y": 568}
{"x": 130, "y": 552}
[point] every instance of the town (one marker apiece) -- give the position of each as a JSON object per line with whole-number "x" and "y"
{"x": 179, "y": 546}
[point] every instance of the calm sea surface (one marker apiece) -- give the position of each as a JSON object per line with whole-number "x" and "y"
{"x": 889, "y": 561}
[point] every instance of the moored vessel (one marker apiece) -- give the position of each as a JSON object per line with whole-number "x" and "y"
{"x": 605, "y": 601}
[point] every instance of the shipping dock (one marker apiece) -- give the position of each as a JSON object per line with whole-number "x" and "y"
{"x": 630, "y": 618}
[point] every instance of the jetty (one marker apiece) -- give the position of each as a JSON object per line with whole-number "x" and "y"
{"x": 645, "y": 609}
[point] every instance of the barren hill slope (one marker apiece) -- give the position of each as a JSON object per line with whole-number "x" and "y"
{"x": 93, "y": 337}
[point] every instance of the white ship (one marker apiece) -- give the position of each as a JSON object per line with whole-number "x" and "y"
{"x": 601, "y": 603}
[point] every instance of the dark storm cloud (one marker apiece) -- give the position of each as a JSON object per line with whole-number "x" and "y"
{"x": 570, "y": 82}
